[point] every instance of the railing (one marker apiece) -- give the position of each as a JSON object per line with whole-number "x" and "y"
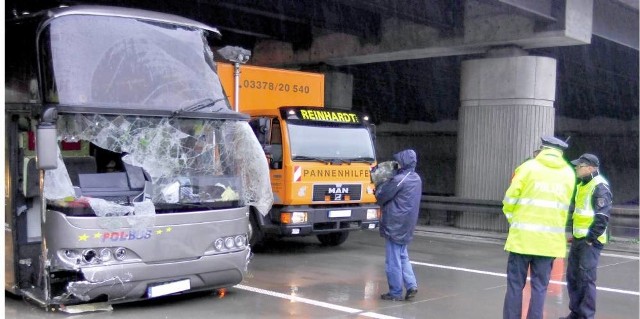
{"x": 486, "y": 215}
{"x": 624, "y": 221}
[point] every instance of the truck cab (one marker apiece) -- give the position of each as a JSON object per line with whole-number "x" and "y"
{"x": 319, "y": 159}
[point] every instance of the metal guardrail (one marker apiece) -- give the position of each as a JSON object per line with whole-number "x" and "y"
{"x": 479, "y": 214}
{"x": 460, "y": 204}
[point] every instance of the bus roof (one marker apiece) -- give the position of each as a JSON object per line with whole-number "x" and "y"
{"x": 126, "y": 13}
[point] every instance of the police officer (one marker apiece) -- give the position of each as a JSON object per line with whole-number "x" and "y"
{"x": 536, "y": 206}
{"x": 590, "y": 219}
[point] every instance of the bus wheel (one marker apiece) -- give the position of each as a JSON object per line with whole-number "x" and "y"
{"x": 254, "y": 232}
{"x": 333, "y": 239}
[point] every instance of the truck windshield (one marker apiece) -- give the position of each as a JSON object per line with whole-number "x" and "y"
{"x": 122, "y": 62}
{"x": 330, "y": 142}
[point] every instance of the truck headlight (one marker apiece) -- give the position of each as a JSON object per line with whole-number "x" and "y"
{"x": 293, "y": 217}
{"x": 373, "y": 213}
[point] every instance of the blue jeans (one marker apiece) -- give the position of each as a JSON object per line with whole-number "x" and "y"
{"x": 517, "y": 268}
{"x": 398, "y": 268}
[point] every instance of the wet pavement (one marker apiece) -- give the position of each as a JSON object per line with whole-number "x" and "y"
{"x": 298, "y": 278}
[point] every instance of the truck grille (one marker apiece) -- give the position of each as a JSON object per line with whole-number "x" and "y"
{"x": 337, "y": 193}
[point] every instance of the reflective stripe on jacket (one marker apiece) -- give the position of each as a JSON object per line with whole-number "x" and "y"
{"x": 537, "y": 205}
{"x": 584, "y": 212}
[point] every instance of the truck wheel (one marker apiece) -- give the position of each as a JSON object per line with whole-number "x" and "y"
{"x": 254, "y": 232}
{"x": 333, "y": 239}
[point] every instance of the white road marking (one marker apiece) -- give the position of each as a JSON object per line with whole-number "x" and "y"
{"x": 620, "y": 256}
{"x": 377, "y": 315}
{"x": 497, "y": 274}
{"x": 315, "y": 302}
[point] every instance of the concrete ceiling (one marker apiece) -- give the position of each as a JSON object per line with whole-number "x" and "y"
{"x": 405, "y": 54}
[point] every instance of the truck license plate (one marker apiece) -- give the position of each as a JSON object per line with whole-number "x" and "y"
{"x": 340, "y": 213}
{"x": 168, "y": 288}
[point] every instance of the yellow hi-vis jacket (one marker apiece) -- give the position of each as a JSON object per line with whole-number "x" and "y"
{"x": 584, "y": 213}
{"x": 537, "y": 205}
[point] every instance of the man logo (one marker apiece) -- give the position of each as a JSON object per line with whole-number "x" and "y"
{"x": 338, "y": 190}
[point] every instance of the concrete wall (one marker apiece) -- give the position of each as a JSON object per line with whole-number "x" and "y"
{"x": 615, "y": 142}
{"x": 436, "y": 157}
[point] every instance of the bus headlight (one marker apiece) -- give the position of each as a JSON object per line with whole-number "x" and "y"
{"x": 229, "y": 242}
{"x": 71, "y": 254}
{"x": 240, "y": 242}
{"x": 218, "y": 244}
{"x": 89, "y": 256}
{"x": 92, "y": 256}
{"x": 105, "y": 254}
{"x": 121, "y": 253}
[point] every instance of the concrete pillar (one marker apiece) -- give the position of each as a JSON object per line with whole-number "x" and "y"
{"x": 506, "y": 105}
{"x": 338, "y": 90}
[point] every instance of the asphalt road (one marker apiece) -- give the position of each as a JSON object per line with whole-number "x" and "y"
{"x": 299, "y": 278}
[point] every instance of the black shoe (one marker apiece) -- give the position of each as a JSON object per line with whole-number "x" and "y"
{"x": 388, "y": 296}
{"x": 411, "y": 293}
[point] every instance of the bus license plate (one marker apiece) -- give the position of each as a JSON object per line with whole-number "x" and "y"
{"x": 340, "y": 213}
{"x": 168, "y": 288}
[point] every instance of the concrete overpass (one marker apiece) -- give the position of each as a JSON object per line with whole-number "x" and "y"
{"x": 469, "y": 84}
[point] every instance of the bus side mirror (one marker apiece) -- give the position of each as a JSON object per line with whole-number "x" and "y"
{"x": 47, "y": 146}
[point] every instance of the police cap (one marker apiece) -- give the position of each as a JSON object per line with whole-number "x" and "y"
{"x": 587, "y": 159}
{"x": 550, "y": 141}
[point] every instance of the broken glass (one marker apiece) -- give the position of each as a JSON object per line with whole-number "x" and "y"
{"x": 186, "y": 163}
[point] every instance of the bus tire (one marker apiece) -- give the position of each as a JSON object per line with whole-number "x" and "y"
{"x": 254, "y": 232}
{"x": 333, "y": 239}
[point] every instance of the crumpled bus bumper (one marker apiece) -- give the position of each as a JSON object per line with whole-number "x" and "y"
{"x": 121, "y": 284}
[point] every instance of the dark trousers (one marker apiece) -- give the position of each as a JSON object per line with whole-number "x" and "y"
{"x": 581, "y": 279}
{"x": 517, "y": 268}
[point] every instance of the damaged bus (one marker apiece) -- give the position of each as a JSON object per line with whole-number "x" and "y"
{"x": 127, "y": 174}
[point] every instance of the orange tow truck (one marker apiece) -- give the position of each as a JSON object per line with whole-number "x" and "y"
{"x": 320, "y": 159}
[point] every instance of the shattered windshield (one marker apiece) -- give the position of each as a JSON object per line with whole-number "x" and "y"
{"x": 330, "y": 142}
{"x": 126, "y": 63}
{"x": 152, "y": 164}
